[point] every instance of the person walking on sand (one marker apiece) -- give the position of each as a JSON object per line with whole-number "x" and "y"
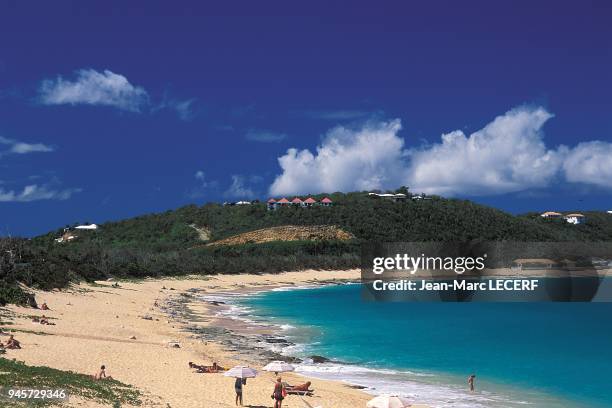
{"x": 238, "y": 389}
{"x": 470, "y": 382}
{"x": 279, "y": 393}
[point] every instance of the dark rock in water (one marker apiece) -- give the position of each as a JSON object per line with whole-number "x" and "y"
{"x": 319, "y": 359}
{"x": 276, "y": 340}
{"x": 289, "y": 359}
{"x": 357, "y": 387}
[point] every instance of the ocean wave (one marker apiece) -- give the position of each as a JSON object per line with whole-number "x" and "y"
{"x": 295, "y": 287}
{"x": 420, "y": 387}
{"x": 432, "y": 389}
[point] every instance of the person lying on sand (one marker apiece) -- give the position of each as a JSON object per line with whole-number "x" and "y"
{"x": 12, "y": 343}
{"x": 217, "y": 368}
{"x": 43, "y": 320}
{"x": 44, "y": 307}
{"x": 101, "y": 375}
{"x": 301, "y": 387}
{"x": 206, "y": 369}
{"x": 198, "y": 368}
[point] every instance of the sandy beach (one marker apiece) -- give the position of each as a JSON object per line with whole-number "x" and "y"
{"x": 131, "y": 329}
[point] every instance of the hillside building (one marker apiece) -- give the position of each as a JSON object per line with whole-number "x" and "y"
{"x": 575, "y": 218}
{"x": 273, "y": 203}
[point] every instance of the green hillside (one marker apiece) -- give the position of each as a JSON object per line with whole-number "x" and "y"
{"x": 170, "y": 243}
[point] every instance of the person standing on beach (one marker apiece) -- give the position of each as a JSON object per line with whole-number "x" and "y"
{"x": 279, "y": 393}
{"x": 470, "y": 382}
{"x": 238, "y": 389}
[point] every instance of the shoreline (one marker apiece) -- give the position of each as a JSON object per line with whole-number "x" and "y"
{"x": 122, "y": 328}
{"x": 436, "y": 387}
{"x": 95, "y": 324}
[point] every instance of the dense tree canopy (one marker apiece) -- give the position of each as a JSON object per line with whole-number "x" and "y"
{"x": 169, "y": 244}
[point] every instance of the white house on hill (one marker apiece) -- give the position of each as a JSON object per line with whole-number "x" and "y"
{"x": 575, "y": 218}
{"x": 86, "y": 227}
{"x": 389, "y": 196}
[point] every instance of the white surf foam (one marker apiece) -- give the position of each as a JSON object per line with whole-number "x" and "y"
{"x": 427, "y": 388}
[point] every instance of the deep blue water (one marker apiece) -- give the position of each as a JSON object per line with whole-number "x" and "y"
{"x": 518, "y": 349}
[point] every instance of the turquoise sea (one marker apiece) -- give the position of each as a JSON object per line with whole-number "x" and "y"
{"x": 523, "y": 354}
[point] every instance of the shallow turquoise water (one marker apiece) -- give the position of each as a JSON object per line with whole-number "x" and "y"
{"x": 525, "y": 352}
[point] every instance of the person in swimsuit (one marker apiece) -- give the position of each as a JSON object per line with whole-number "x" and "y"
{"x": 279, "y": 393}
{"x": 12, "y": 343}
{"x": 238, "y": 389}
{"x": 101, "y": 375}
{"x": 470, "y": 382}
{"x": 198, "y": 368}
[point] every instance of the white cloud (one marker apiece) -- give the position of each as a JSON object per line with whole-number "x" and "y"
{"x": 240, "y": 187}
{"x": 507, "y": 155}
{"x": 200, "y": 176}
{"x": 591, "y": 163}
{"x": 23, "y": 148}
{"x": 94, "y": 88}
{"x": 17, "y": 147}
{"x": 184, "y": 109}
{"x": 203, "y": 187}
{"x": 265, "y": 136}
{"x": 35, "y": 192}
{"x": 347, "y": 159}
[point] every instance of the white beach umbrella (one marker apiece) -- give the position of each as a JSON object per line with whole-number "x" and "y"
{"x": 278, "y": 367}
{"x": 388, "y": 401}
{"x": 241, "y": 372}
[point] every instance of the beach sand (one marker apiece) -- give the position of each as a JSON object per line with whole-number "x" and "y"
{"x": 101, "y": 324}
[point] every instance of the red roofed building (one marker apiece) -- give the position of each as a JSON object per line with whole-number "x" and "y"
{"x": 309, "y": 202}
{"x": 273, "y": 204}
{"x": 326, "y": 202}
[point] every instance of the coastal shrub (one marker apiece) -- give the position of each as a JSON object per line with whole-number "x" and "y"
{"x": 11, "y": 293}
{"x": 15, "y": 374}
{"x": 166, "y": 244}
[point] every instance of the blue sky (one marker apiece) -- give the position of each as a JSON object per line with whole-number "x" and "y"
{"x": 108, "y": 112}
